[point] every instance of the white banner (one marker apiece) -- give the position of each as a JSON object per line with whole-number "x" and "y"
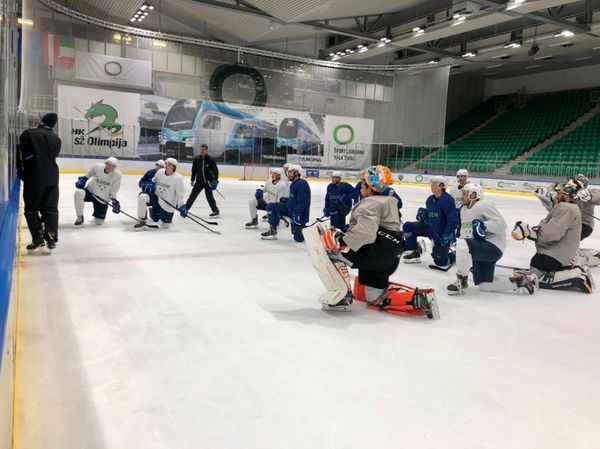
{"x": 103, "y": 122}
{"x": 113, "y": 70}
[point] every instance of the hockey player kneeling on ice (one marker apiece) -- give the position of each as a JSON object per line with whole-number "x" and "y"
{"x": 99, "y": 186}
{"x": 372, "y": 245}
{"x": 164, "y": 191}
{"x": 462, "y": 179}
{"x": 438, "y": 221}
{"x": 481, "y": 242}
{"x": 149, "y": 175}
{"x": 557, "y": 240}
{"x": 587, "y": 199}
{"x": 339, "y": 199}
{"x": 297, "y": 207}
{"x": 275, "y": 189}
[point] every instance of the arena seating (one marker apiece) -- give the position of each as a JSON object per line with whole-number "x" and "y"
{"x": 576, "y": 152}
{"x": 512, "y": 134}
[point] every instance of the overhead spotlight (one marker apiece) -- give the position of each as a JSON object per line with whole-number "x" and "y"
{"x": 359, "y": 46}
{"x": 140, "y": 12}
{"x": 347, "y": 50}
{"x": 362, "y": 50}
{"x": 351, "y": 51}
{"x": 564, "y": 33}
{"x": 139, "y": 20}
{"x": 331, "y": 54}
{"x": 143, "y": 7}
{"x": 433, "y": 61}
{"x": 133, "y": 19}
{"x": 469, "y": 54}
{"x": 456, "y": 16}
{"x": 150, "y": 7}
{"x": 418, "y": 30}
{"x": 533, "y": 50}
{"x": 514, "y": 44}
{"x": 146, "y": 13}
{"x": 381, "y": 44}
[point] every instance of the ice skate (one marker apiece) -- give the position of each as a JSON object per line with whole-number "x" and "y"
{"x": 214, "y": 215}
{"x": 526, "y": 283}
{"x": 140, "y": 225}
{"x": 265, "y": 217}
{"x": 344, "y": 305}
{"x": 415, "y": 256}
{"x": 79, "y": 221}
{"x": 50, "y": 241}
{"x": 271, "y": 234}
{"x": 442, "y": 267}
{"x": 252, "y": 224}
{"x": 36, "y": 245}
{"x": 427, "y": 304}
{"x": 459, "y": 286}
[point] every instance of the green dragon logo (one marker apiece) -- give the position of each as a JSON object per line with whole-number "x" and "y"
{"x": 109, "y": 123}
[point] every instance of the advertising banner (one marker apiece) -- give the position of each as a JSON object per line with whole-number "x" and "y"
{"x": 113, "y": 70}
{"x": 102, "y": 122}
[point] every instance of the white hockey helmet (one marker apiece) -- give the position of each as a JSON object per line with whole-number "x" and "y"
{"x": 336, "y": 173}
{"x": 160, "y": 163}
{"x": 441, "y": 180}
{"x": 462, "y": 172}
{"x": 112, "y": 161}
{"x": 474, "y": 191}
{"x": 287, "y": 166}
{"x": 172, "y": 161}
{"x": 295, "y": 167}
{"x": 278, "y": 171}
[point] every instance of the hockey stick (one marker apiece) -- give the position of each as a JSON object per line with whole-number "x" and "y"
{"x": 591, "y": 215}
{"x": 100, "y": 200}
{"x": 217, "y": 190}
{"x": 191, "y": 217}
{"x": 321, "y": 219}
{"x": 214, "y": 223}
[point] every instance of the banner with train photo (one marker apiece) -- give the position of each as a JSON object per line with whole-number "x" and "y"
{"x": 148, "y": 126}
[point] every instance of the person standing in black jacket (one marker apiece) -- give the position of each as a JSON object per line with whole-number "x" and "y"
{"x": 205, "y": 175}
{"x": 38, "y": 150}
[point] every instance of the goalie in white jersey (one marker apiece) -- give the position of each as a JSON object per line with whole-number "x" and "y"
{"x": 275, "y": 189}
{"x": 99, "y": 186}
{"x": 164, "y": 194}
{"x": 480, "y": 245}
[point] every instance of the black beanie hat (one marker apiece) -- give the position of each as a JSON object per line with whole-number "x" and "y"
{"x": 50, "y": 119}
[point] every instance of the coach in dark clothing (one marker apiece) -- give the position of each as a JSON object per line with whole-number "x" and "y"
{"x": 205, "y": 175}
{"x": 38, "y": 150}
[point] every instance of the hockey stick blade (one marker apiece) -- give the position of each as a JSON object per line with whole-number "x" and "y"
{"x": 435, "y": 267}
{"x": 214, "y": 223}
{"x": 205, "y": 227}
{"x": 100, "y": 200}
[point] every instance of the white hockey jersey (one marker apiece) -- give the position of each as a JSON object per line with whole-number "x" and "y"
{"x": 456, "y": 193}
{"x": 274, "y": 192}
{"x": 169, "y": 188}
{"x": 495, "y": 226}
{"x": 103, "y": 185}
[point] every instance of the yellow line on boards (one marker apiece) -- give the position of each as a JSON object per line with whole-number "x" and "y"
{"x": 15, "y": 419}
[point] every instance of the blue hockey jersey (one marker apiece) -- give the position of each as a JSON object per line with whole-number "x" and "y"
{"x": 343, "y": 193}
{"x": 298, "y": 203}
{"x": 441, "y": 216}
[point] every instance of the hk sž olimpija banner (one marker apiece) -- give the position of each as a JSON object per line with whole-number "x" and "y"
{"x": 101, "y": 122}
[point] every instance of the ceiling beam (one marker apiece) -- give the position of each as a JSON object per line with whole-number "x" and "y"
{"x": 236, "y": 7}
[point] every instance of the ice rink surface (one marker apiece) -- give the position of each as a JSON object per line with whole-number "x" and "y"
{"x": 183, "y": 339}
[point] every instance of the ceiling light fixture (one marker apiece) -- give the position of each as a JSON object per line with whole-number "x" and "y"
{"x": 515, "y": 44}
{"x": 469, "y": 54}
{"x": 418, "y": 30}
{"x": 564, "y": 33}
{"x": 433, "y": 61}
{"x": 159, "y": 44}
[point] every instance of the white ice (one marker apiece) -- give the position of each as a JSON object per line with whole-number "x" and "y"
{"x": 183, "y": 339}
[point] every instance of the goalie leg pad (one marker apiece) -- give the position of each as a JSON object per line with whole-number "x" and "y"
{"x": 398, "y": 299}
{"x": 574, "y": 278}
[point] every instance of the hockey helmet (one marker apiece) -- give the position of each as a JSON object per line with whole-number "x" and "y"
{"x": 377, "y": 177}
{"x": 112, "y": 161}
{"x": 582, "y": 180}
{"x": 474, "y": 191}
{"x": 571, "y": 188}
{"x": 462, "y": 172}
{"x": 336, "y": 174}
{"x": 160, "y": 163}
{"x": 295, "y": 167}
{"x": 278, "y": 171}
{"x": 441, "y": 180}
{"x": 172, "y": 161}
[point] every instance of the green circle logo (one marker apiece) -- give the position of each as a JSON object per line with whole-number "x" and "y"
{"x": 347, "y": 136}
{"x": 419, "y": 178}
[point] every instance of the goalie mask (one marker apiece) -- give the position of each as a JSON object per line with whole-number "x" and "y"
{"x": 378, "y": 177}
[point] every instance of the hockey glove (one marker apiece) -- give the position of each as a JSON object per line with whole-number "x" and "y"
{"x": 422, "y": 215}
{"x": 213, "y": 184}
{"x": 331, "y": 240}
{"x": 259, "y": 194}
{"x": 80, "y": 184}
{"x": 447, "y": 240}
{"x": 584, "y": 195}
{"x": 148, "y": 187}
{"x": 326, "y": 212}
{"x": 478, "y": 229}
{"x": 183, "y": 211}
{"x": 523, "y": 231}
{"x": 116, "y": 206}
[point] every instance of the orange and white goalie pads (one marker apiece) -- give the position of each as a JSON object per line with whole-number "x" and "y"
{"x": 401, "y": 299}
{"x": 331, "y": 239}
